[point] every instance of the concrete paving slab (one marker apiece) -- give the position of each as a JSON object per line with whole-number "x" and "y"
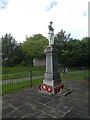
{"x": 51, "y": 111}
{"x": 7, "y": 110}
{"x": 45, "y": 115}
{"x": 30, "y": 103}
{"x": 34, "y": 113}
{"x": 15, "y": 114}
{"x": 53, "y": 103}
{"x": 41, "y": 107}
{"x": 45, "y": 100}
{"x": 25, "y": 109}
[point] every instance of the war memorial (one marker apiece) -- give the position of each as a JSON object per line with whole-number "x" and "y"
{"x": 49, "y": 99}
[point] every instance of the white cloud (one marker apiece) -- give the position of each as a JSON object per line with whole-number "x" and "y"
{"x": 51, "y": 5}
{"x": 3, "y": 4}
{"x": 28, "y": 17}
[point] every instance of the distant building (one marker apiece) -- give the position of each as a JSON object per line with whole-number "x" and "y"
{"x": 39, "y": 62}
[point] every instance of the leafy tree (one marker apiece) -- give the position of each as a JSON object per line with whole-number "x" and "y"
{"x": 61, "y": 39}
{"x": 11, "y": 51}
{"x": 34, "y": 46}
{"x": 76, "y": 53}
{"x": 85, "y": 52}
{"x": 70, "y": 56}
{"x": 72, "y": 52}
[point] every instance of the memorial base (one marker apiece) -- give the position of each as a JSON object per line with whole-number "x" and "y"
{"x": 49, "y": 89}
{"x": 52, "y": 81}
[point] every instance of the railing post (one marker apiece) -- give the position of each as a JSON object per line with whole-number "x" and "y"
{"x": 31, "y": 78}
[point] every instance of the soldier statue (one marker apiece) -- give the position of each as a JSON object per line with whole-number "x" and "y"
{"x": 51, "y": 34}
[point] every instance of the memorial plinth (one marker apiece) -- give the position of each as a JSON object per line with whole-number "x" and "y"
{"x": 52, "y": 74}
{"x": 52, "y": 81}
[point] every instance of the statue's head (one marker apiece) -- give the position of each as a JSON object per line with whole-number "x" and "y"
{"x": 51, "y": 22}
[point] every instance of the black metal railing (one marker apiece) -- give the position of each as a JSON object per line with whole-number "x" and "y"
{"x": 16, "y": 81}
{"x": 24, "y": 79}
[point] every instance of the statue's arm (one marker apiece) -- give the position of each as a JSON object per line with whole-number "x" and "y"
{"x": 50, "y": 28}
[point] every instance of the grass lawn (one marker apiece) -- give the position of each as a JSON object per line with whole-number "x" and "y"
{"x": 21, "y": 72}
{"x": 76, "y": 75}
{"x": 18, "y": 69}
{"x": 24, "y": 72}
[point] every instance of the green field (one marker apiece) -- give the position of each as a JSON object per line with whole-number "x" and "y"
{"x": 22, "y": 72}
{"x": 76, "y": 75}
{"x": 80, "y": 75}
{"x": 17, "y": 69}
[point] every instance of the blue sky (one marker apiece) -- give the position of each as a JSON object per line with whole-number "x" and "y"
{"x": 28, "y": 17}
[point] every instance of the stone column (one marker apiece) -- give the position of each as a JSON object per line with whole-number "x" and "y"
{"x": 52, "y": 81}
{"x": 52, "y": 78}
{"x": 52, "y": 75}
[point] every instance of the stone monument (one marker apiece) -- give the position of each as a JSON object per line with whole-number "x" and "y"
{"x": 52, "y": 81}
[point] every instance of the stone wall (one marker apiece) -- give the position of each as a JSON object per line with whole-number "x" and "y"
{"x": 39, "y": 62}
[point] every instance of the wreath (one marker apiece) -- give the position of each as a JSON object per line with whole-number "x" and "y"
{"x": 44, "y": 86}
{"x": 57, "y": 89}
{"x": 61, "y": 86}
{"x": 49, "y": 89}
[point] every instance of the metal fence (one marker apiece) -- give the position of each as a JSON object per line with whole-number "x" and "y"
{"x": 16, "y": 81}
{"x": 23, "y": 79}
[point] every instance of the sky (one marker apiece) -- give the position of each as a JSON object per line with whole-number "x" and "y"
{"x": 29, "y": 17}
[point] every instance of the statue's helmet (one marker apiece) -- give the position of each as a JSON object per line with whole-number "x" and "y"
{"x": 51, "y": 22}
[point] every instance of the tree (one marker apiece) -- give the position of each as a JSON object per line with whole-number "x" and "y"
{"x": 85, "y": 51}
{"x": 76, "y": 53}
{"x": 71, "y": 55}
{"x": 11, "y": 51}
{"x": 61, "y": 39}
{"x": 34, "y": 46}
